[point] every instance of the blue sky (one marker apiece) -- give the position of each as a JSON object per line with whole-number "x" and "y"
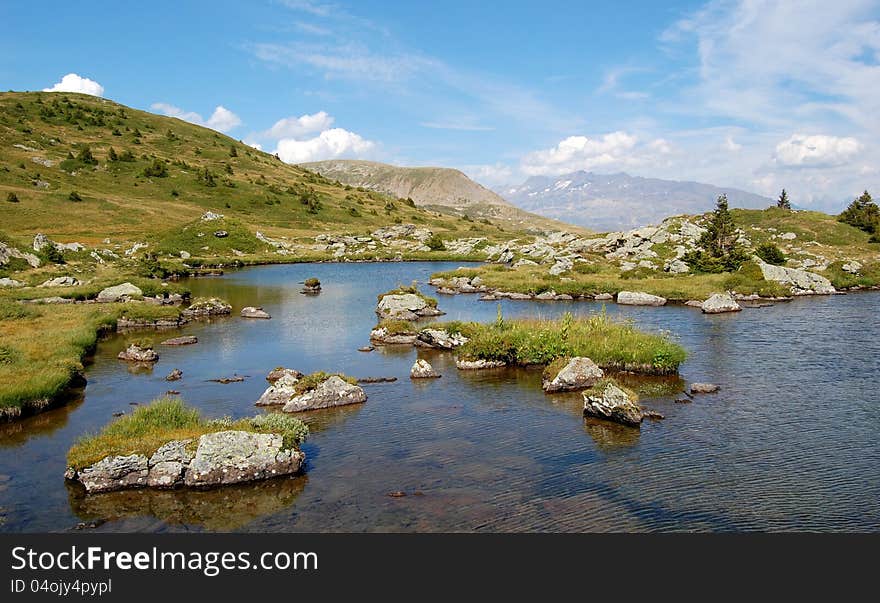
{"x": 749, "y": 93}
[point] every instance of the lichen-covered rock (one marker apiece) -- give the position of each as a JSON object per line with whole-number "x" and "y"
{"x": 169, "y": 463}
{"x": 637, "y": 298}
{"x": 119, "y": 293}
{"x": 333, "y": 391}
{"x": 801, "y": 282}
{"x": 479, "y": 364}
{"x": 279, "y": 371}
{"x": 10, "y": 282}
{"x": 720, "y": 303}
{"x": 183, "y": 340}
{"x": 614, "y": 404}
{"x": 578, "y": 373}
{"x": 254, "y": 312}
{"x": 405, "y": 306}
{"x": 422, "y": 369}
{"x": 440, "y": 339}
{"x": 115, "y": 473}
{"x": 207, "y": 307}
{"x": 231, "y": 457}
{"x": 135, "y": 353}
{"x": 8, "y": 252}
{"x": 282, "y": 389}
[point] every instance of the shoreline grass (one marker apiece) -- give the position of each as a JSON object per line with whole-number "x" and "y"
{"x": 166, "y": 419}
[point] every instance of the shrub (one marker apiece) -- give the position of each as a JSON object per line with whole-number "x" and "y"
{"x": 771, "y": 254}
{"x": 85, "y": 156}
{"x": 126, "y": 156}
{"x": 111, "y": 155}
{"x": 862, "y": 213}
{"x": 157, "y": 169}
{"x": 435, "y": 243}
{"x": 74, "y": 196}
{"x": 312, "y": 282}
{"x": 12, "y": 197}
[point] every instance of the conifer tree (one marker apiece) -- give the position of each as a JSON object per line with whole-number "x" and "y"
{"x": 783, "y": 201}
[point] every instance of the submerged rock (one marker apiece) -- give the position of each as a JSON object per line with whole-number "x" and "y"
{"x": 614, "y": 404}
{"x": 637, "y": 298}
{"x": 183, "y": 340}
{"x": 334, "y": 391}
{"x": 474, "y": 365}
{"x": 422, "y": 369}
{"x": 135, "y": 353}
{"x": 174, "y": 375}
{"x": 119, "y": 293}
{"x": 704, "y": 388}
{"x": 578, "y": 373}
{"x": 720, "y": 303}
{"x": 254, "y": 312}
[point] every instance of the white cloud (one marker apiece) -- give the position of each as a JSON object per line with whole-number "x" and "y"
{"x": 297, "y": 127}
{"x": 581, "y": 153}
{"x": 222, "y": 119}
{"x": 816, "y": 151}
{"x": 329, "y": 144}
{"x": 76, "y": 83}
{"x": 490, "y": 175}
{"x": 731, "y": 145}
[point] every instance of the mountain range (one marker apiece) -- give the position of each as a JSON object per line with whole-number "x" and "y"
{"x": 606, "y": 202}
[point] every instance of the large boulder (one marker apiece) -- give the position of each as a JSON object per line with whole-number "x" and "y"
{"x": 7, "y": 253}
{"x": 169, "y": 463}
{"x": 282, "y": 389}
{"x": 405, "y": 306}
{"x": 614, "y": 404}
{"x": 334, "y": 391}
{"x": 207, "y": 307}
{"x": 578, "y": 373}
{"x": 231, "y": 457}
{"x": 440, "y": 339}
{"x": 119, "y": 293}
{"x": 422, "y": 369}
{"x": 135, "y": 353}
{"x": 114, "y": 473}
{"x": 799, "y": 281}
{"x": 10, "y": 282}
{"x": 637, "y": 298}
{"x": 720, "y": 303}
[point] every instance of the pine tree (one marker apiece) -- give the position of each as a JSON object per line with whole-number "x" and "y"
{"x": 783, "y": 201}
{"x": 720, "y": 237}
{"x": 111, "y": 154}
{"x": 862, "y": 213}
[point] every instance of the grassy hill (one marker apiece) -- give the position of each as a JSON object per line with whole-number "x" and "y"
{"x": 443, "y": 189}
{"x": 86, "y": 169}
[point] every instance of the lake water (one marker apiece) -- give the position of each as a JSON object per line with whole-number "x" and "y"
{"x": 790, "y": 442}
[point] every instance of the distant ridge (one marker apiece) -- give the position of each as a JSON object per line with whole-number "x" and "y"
{"x": 606, "y": 202}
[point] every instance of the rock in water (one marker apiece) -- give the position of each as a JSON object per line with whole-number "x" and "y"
{"x": 704, "y": 388}
{"x": 174, "y": 375}
{"x": 231, "y": 457}
{"x": 479, "y": 364}
{"x": 637, "y": 298}
{"x": 207, "y": 307}
{"x": 406, "y": 306}
{"x": 119, "y": 293}
{"x": 279, "y": 371}
{"x": 135, "y": 353}
{"x": 114, "y": 473}
{"x": 184, "y": 340}
{"x": 384, "y": 337}
{"x": 440, "y": 339}
{"x": 254, "y": 312}
{"x": 720, "y": 303}
{"x": 579, "y": 373}
{"x": 334, "y": 391}
{"x": 422, "y": 369}
{"x": 282, "y": 389}
{"x": 613, "y": 404}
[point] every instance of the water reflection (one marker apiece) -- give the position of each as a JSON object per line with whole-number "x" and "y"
{"x": 608, "y": 435}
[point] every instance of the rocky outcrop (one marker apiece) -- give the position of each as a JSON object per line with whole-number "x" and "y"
{"x": 800, "y": 282}
{"x": 135, "y": 353}
{"x": 10, "y": 282}
{"x": 334, "y": 391}
{"x": 279, "y": 371}
{"x": 479, "y": 364}
{"x": 61, "y": 281}
{"x": 422, "y": 369}
{"x": 182, "y": 340}
{"x": 207, "y": 307}
{"x": 8, "y": 252}
{"x": 405, "y": 306}
{"x": 383, "y": 336}
{"x": 614, "y": 404}
{"x": 440, "y": 339}
{"x": 637, "y": 298}
{"x": 216, "y": 459}
{"x": 719, "y": 303}
{"x": 578, "y": 373}
{"x": 119, "y": 293}
{"x": 254, "y": 312}
{"x": 283, "y": 388}
{"x": 125, "y": 323}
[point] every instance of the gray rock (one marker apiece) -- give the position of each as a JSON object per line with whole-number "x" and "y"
{"x": 61, "y": 281}
{"x": 422, "y": 369}
{"x": 41, "y": 241}
{"x": 440, "y": 339}
{"x": 719, "y": 303}
{"x": 115, "y": 473}
{"x": 479, "y": 364}
{"x": 603, "y": 297}
{"x": 852, "y": 267}
{"x": 278, "y": 372}
{"x": 614, "y": 404}
{"x": 704, "y": 388}
{"x": 332, "y": 392}
{"x": 579, "y": 373}
{"x": 221, "y": 234}
{"x": 10, "y": 282}
{"x": 7, "y": 253}
{"x": 119, "y": 293}
{"x": 168, "y": 464}
{"x": 406, "y": 306}
{"x": 174, "y": 375}
{"x": 254, "y": 312}
{"x": 384, "y": 337}
{"x": 676, "y": 267}
{"x": 637, "y": 298}
{"x": 182, "y": 340}
{"x": 282, "y": 389}
{"x": 208, "y": 307}
{"x": 231, "y": 457}
{"x": 801, "y": 282}
{"x": 135, "y": 353}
